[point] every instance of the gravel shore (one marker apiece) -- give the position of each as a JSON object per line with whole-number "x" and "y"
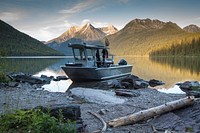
{"x": 182, "y": 120}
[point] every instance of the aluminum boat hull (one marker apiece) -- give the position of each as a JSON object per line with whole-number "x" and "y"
{"x": 76, "y": 73}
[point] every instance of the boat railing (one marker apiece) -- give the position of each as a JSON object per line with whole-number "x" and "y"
{"x": 105, "y": 62}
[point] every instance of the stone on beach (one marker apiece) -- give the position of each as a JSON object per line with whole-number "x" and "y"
{"x": 22, "y": 77}
{"x": 100, "y": 97}
{"x": 191, "y": 88}
{"x": 134, "y": 82}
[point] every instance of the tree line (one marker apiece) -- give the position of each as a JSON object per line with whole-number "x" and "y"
{"x": 186, "y": 47}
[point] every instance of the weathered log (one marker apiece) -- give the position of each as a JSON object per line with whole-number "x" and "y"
{"x": 146, "y": 114}
{"x": 125, "y": 94}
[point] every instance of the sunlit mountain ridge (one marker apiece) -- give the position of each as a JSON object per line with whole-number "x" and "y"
{"x": 140, "y": 37}
{"x": 79, "y": 34}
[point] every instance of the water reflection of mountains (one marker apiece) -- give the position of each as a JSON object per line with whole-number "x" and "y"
{"x": 30, "y": 65}
{"x": 188, "y": 63}
{"x": 60, "y": 62}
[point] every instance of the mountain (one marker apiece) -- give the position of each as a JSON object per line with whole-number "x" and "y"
{"x": 142, "y": 36}
{"x": 89, "y": 33}
{"x": 66, "y": 35}
{"x": 63, "y": 46}
{"x": 144, "y": 24}
{"x": 192, "y": 28}
{"x": 110, "y": 29}
{"x": 16, "y": 43}
{"x": 86, "y": 33}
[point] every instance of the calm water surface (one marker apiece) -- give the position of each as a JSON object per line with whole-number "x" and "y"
{"x": 169, "y": 70}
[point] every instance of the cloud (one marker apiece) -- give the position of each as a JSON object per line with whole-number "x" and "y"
{"x": 78, "y": 7}
{"x": 94, "y": 23}
{"x": 46, "y": 32}
{"x": 198, "y": 18}
{"x": 10, "y": 16}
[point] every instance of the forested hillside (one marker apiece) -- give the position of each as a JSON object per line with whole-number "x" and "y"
{"x": 140, "y": 37}
{"x": 16, "y": 43}
{"x": 187, "y": 47}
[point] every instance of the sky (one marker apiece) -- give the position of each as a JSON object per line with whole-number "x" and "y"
{"x": 47, "y": 19}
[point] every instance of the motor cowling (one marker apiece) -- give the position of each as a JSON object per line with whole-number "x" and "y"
{"x": 122, "y": 62}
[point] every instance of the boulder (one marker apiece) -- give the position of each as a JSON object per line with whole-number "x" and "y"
{"x": 196, "y": 94}
{"x": 134, "y": 82}
{"x": 138, "y": 84}
{"x": 127, "y": 85}
{"x": 116, "y": 84}
{"x": 46, "y": 79}
{"x": 71, "y": 112}
{"x": 191, "y": 88}
{"x": 22, "y": 77}
{"x": 189, "y": 85}
{"x": 154, "y": 82}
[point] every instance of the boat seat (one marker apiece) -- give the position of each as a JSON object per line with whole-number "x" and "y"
{"x": 109, "y": 61}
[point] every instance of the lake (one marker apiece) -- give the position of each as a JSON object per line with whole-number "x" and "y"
{"x": 169, "y": 70}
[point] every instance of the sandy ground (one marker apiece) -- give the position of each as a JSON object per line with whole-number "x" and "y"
{"x": 182, "y": 120}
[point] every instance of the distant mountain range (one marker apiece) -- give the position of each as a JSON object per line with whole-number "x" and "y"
{"x": 16, "y": 43}
{"x": 109, "y": 30}
{"x": 78, "y": 34}
{"x": 142, "y": 36}
{"x": 139, "y": 37}
{"x": 192, "y": 28}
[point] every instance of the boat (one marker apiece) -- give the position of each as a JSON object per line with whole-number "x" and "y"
{"x": 92, "y": 65}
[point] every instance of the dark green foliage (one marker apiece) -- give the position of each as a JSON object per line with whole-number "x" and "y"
{"x": 187, "y": 47}
{"x": 3, "y": 78}
{"x": 16, "y": 43}
{"x": 34, "y": 121}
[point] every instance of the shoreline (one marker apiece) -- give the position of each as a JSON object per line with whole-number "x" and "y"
{"x": 26, "y": 96}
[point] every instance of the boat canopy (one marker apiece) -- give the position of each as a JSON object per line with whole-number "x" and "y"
{"x": 84, "y": 45}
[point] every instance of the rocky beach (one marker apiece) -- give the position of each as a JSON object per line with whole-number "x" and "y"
{"x": 103, "y": 100}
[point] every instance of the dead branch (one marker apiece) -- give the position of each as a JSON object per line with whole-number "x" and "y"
{"x": 101, "y": 119}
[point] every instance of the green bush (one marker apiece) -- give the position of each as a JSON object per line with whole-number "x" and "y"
{"x": 3, "y": 78}
{"x": 34, "y": 121}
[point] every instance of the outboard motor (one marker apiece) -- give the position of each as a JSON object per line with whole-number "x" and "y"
{"x": 122, "y": 62}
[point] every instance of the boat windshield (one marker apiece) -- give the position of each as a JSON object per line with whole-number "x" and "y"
{"x": 90, "y": 54}
{"x": 79, "y": 54}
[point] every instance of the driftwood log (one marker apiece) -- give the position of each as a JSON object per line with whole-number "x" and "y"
{"x": 146, "y": 114}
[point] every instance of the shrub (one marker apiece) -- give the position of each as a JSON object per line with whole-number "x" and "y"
{"x": 3, "y": 78}
{"x": 34, "y": 121}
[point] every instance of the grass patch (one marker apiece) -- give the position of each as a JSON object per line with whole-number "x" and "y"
{"x": 3, "y": 78}
{"x": 35, "y": 121}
